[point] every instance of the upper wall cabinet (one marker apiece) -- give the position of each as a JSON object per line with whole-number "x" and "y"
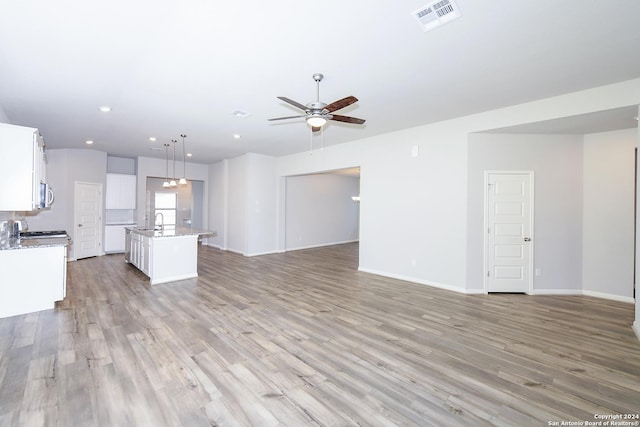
{"x": 121, "y": 191}
{"x": 22, "y": 163}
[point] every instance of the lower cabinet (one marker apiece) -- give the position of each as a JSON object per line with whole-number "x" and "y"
{"x": 139, "y": 251}
{"x": 33, "y": 279}
{"x": 114, "y": 238}
{"x": 163, "y": 259}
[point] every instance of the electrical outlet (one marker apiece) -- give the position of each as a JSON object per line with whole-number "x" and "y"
{"x": 538, "y": 272}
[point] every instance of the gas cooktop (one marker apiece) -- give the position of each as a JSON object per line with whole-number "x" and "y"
{"x": 42, "y": 234}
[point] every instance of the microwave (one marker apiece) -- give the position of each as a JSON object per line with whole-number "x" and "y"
{"x": 46, "y": 196}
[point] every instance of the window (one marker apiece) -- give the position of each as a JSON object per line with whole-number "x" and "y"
{"x": 167, "y": 205}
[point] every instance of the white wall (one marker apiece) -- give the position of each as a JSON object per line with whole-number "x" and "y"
{"x": 557, "y": 164}
{"x": 121, "y": 165}
{"x": 636, "y": 323}
{"x": 3, "y": 116}
{"x": 245, "y": 194}
{"x": 320, "y": 211}
{"x": 237, "y": 195}
{"x": 608, "y": 214}
{"x": 261, "y": 206}
{"x": 218, "y": 203}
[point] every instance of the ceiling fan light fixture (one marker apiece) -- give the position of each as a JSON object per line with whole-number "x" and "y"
{"x": 316, "y": 120}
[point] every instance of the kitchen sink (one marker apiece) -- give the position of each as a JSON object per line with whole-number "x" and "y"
{"x": 149, "y": 228}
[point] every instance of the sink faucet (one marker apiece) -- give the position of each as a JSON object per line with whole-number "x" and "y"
{"x": 161, "y": 221}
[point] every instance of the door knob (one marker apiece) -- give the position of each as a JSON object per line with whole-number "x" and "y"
{"x": 527, "y": 239}
{"x": 79, "y": 225}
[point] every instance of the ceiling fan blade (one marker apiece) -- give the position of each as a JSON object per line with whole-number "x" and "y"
{"x": 341, "y": 103}
{"x": 315, "y": 128}
{"x": 289, "y": 117}
{"x": 347, "y": 119}
{"x": 292, "y": 102}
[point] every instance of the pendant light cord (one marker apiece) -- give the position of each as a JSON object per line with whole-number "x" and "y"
{"x": 175, "y": 141}
{"x": 166, "y": 170}
{"x": 184, "y": 158}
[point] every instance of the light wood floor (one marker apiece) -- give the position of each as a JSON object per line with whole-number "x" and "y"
{"x": 303, "y": 339}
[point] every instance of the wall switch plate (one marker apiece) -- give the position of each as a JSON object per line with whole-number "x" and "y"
{"x": 538, "y": 272}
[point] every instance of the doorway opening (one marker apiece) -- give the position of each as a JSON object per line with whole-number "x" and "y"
{"x": 321, "y": 209}
{"x": 180, "y": 206}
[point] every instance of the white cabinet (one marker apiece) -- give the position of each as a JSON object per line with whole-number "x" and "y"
{"x": 114, "y": 240}
{"x": 145, "y": 263}
{"x": 121, "y": 191}
{"x": 33, "y": 279}
{"x": 23, "y": 167}
{"x": 140, "y": 251}
{"x": 164, "y": 258}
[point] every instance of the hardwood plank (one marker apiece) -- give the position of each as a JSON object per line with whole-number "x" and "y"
{"x": 303, "y": 338}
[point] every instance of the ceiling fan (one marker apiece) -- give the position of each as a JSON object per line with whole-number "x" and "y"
{"x": 318, "y": 113}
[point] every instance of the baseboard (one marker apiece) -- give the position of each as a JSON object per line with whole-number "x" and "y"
{"x": 612, "y": 297}
{"x": 261, "y": 253}
{"x": 557, "y": 292}
{"x": 212, "y": 245}
{"x": 276, "y": 251}
{"x": 477, "y": 291}
{"x": 321, "y": 245}
{"x": 636, "y": 328}
{"x": 594, "y": 294}
{"x": 416, "y": 280}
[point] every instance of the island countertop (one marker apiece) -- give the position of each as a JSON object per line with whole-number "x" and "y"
{"x": 171, "y": 232}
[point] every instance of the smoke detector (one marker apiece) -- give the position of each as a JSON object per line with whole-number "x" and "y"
{"x": 436, "y": 14}
{"x": 240, "y": 113}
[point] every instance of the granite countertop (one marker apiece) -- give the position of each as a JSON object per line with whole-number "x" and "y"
{"x": 177, "y": 232}
{"x": 34, "y": 243}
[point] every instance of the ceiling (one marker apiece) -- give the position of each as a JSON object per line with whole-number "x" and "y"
{"x": 600, "y": 121}
{"x": 168, "y": 68}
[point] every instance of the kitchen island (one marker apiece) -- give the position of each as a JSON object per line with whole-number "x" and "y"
{"x": 34, "y": 274}
{"x": 165, "y": 255}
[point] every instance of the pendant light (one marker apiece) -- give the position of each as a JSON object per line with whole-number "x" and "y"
{"x": 172, "y": 183}
{"x": 166, "y": 183}
{"x": 183, "y": 180}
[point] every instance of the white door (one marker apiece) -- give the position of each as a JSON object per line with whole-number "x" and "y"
{"x": 509, "y": 207}
{"x": 87, "y": 238}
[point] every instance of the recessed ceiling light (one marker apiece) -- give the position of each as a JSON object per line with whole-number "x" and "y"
{"x": 189, "y": 154}
{"x": 236, "y": 136}
{"x": 88, "y": 142}
{"x": 104, "y": 108}
{"x": 152, "y": 138}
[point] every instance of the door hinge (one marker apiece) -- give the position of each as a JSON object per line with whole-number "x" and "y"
{"x": 488, "y": 274}
{"x": 488, "y": 230}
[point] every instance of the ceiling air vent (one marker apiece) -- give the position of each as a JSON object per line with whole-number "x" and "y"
{"x": 436, "y": 14}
